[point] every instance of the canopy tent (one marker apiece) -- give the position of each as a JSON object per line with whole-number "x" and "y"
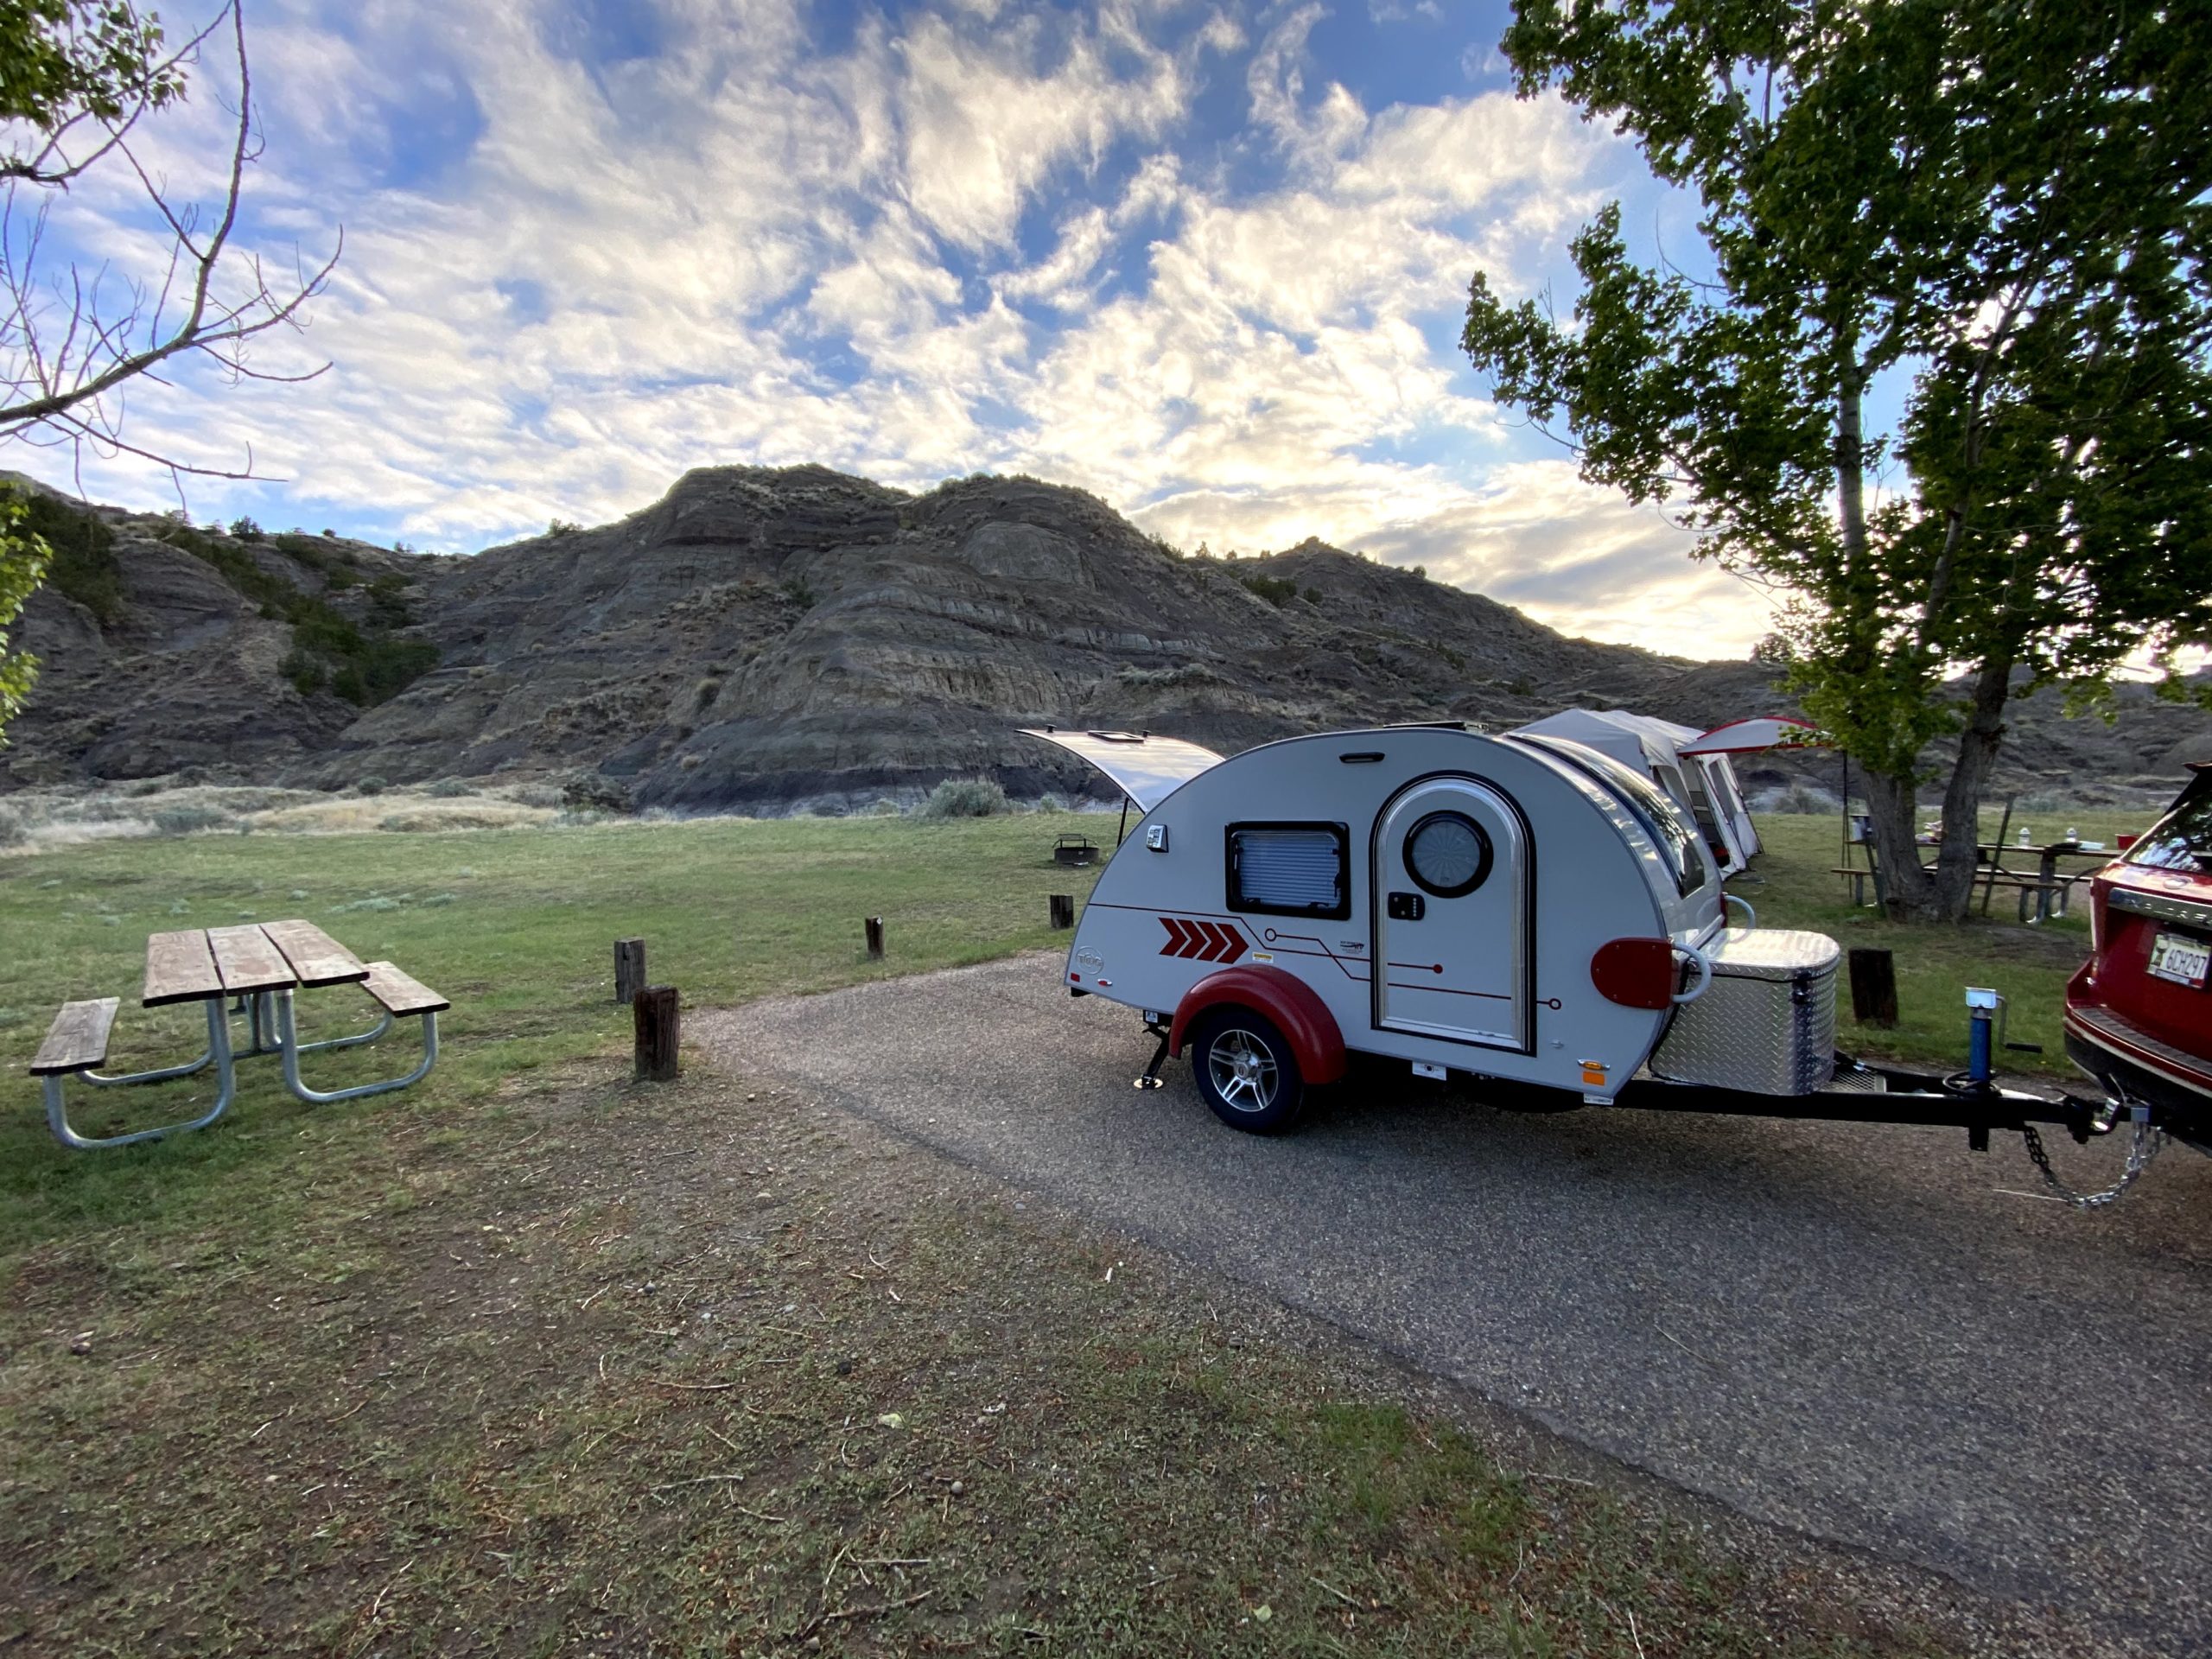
{"x": 1700, "y": 779}
{"x": 1766, "y": 732}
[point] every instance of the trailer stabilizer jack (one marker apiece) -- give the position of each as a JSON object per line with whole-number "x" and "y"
{"x": 1151, "y": 1079}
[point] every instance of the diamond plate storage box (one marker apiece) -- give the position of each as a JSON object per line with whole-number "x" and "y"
{"x": 1766, "y": 1024}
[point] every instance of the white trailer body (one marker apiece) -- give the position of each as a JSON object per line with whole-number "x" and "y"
{"x": 1520, "y": 910}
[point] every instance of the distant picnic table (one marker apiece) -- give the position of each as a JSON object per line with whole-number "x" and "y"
{"x": 2043, "y": 893}
{"x": 255, "y": 970}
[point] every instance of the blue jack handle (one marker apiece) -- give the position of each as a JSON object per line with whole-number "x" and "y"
{"x": 1982, "y": 1007}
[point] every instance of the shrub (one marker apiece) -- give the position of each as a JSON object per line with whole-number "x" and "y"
{"x": 563, "y": 527}
{"x": 1799, "y": 798}
{"x": 187, "y": 820}
{"x": 1173, "y": 674}
{"x": 1275, "y": 590}
{"x": 372, "y": 785}
{"x": 1311, "y": 596}
{"x": 709, "y": 689}
{"x": 965, "y": 797}
{"x": 246, "y": 530}
{"x": 84, "y": 566}
{"x": 595, "y": 792}
{"x": 447, "y": 788}
{"x": 799, "y": 594}
{"x": 365, "y": 666}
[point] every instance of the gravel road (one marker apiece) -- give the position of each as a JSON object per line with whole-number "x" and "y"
{"x": 1869, "y": 1334}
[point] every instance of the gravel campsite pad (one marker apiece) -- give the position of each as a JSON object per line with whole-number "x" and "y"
{"x": 1867, "y": 1333}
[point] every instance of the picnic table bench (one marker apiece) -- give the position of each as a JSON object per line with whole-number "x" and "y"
{"x": 255, "y": 969}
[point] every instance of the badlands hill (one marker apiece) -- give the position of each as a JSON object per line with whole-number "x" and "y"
{"x": 790, "y": 639}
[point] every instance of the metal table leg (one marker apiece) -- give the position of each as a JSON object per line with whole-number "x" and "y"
{"x": 288, "y": 1039}
{"x": 219, "y": 1052}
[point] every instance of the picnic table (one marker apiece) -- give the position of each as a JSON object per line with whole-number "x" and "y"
{"x": 255, "y": 970}
{"x": 2038, "y": 892}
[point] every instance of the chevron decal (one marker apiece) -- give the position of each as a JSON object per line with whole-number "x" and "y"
{"x": 1205, "y": 941}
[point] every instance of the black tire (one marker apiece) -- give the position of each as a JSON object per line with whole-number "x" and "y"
{"x": 1246, "y": 1071}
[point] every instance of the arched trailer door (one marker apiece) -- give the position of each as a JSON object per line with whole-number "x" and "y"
{"x": 1453, "y": 952}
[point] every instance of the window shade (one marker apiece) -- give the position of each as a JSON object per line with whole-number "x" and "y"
{"x": 1290, "y": 869}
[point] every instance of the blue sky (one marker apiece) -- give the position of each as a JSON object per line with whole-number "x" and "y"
{"x": 1208, "y": 260}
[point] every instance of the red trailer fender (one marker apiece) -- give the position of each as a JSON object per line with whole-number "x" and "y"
{"x": 1295, "y": 1006}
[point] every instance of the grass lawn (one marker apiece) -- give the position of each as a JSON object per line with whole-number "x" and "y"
{"x": 1791, "y": 886}
{"x": 530, "y": 1359}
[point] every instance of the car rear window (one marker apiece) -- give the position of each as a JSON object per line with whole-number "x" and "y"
{"x": 2180, "y": 841}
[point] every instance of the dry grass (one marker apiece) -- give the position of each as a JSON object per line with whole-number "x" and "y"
{"x": 53, "y": 819}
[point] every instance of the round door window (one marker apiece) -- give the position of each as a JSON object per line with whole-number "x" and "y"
{"x": 1448, "y": 855}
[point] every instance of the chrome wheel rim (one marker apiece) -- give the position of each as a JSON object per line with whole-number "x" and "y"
{"x": 1242, "y": 1071}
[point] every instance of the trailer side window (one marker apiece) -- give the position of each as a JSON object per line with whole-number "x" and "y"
{"x": 1290, "y": 869}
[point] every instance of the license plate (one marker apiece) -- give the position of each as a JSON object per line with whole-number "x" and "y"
{"x": 2181, "y": 959}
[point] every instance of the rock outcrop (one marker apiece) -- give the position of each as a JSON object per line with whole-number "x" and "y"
{"x": 770, "y": 638}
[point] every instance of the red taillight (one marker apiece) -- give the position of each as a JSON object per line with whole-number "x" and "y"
{"x": 1635, "y": 973}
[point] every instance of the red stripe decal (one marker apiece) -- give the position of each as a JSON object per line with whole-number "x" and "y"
{"x": 1207, "y": 941}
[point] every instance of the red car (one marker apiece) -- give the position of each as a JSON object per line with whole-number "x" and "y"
{"x": 2139, "y": 1014}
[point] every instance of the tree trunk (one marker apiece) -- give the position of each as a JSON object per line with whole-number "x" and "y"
{"x": 1977, "y": 745}
{"x": 1910, "y": 893}
{"x": 1893, "y": 807}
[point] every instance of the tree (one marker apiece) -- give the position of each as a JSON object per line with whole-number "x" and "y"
{"x": 2003, "y": 200}
{"x": 78, "y": 80}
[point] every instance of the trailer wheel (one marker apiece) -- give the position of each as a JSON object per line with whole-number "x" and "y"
{"x": 1246, "y": 1071}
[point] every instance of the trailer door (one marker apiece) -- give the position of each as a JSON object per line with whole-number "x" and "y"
{"x": 1453, "y": 955}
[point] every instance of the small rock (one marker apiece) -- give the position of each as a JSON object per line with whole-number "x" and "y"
{"x": 959, "y": 1487}
{"x": 651, "y": 1288}
{"x": 80, "y": 1346}
{"x": 891, "y": 1420}
{"x": 844, "y": 1368}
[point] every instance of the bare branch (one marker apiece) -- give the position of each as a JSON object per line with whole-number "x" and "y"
{"x": 69, "y": 347}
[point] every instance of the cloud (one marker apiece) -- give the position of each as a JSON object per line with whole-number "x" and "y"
{"x": 1143, "y": 246}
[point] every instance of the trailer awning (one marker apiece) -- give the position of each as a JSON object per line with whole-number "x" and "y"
{"x": 1741, "y": 737}
{"x": 1146, "y": 769}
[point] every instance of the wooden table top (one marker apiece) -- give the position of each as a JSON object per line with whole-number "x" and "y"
{"x": 195, "y": 963}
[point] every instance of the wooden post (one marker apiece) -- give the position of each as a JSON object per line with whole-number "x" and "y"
{"x": 1063, "y": 909}
{"x": 629, "y": 969}
{"x": 874, "y": 925}
{"x": 659, "y": 1029}
{"x": 1873, "y": 988}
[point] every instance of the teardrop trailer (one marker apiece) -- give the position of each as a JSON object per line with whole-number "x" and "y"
{"x": 1519, "y": 909}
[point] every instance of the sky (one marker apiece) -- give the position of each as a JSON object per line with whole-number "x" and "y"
{"x": 1207, "y": 260}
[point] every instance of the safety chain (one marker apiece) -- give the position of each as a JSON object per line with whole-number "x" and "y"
{"x": 2147, "y": 1143}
